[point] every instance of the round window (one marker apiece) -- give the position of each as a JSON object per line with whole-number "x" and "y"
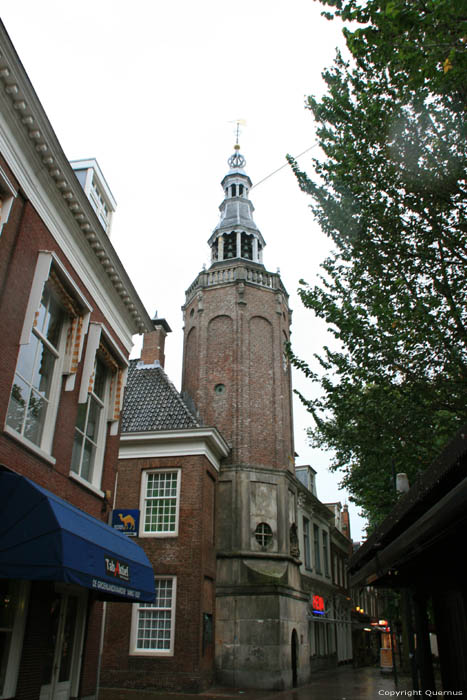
{"x": 263, "y": 534}
{"x": 219, "y": 388}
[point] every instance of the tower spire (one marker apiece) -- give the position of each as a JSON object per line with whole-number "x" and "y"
{"x": 236, "y": 235}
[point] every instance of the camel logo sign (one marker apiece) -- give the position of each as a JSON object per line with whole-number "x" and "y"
{"x": 117, "y": 568}
{"x": 126, "y": 521}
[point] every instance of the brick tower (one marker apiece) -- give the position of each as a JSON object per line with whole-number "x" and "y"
{"x": 235, "y": 370}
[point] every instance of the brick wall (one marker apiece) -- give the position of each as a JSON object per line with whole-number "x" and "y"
{"x": 191, "y": 558}
{"x": 234, "y": 336}
{"x": 22, "y": 237}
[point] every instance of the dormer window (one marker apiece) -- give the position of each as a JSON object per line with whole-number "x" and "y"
{"x": 96, "y": 189}
{"x": 99, "y": 205}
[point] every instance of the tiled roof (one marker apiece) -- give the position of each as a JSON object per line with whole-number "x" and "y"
{"x": 152, "y": 402}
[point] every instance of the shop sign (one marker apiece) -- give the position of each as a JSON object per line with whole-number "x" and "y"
{"x": 318, "y": 605}
{"x": 126, "y": 521}
{"x": 116, "y": 568}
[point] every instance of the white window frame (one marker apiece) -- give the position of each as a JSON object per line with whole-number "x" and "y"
{"x": 44, "y": 445}
{"x": 97, "y": 332}
{"x": 7, "y": 194}
{"x": 100, "y": 437}
{"x": 136, "y": 607}
{"x": 144, "y": 499}
{"x": 16, "y": 644}
{"x": 46, "y": 262}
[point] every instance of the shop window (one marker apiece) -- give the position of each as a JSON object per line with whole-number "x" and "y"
{"x": 13, "y": 610}
{"x": 160, "y": 503}
{"x": 153, "y": 624}
{"x": 51, "y": 342}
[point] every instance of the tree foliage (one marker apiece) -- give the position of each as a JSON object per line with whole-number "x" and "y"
{"x": 390, "y": 193}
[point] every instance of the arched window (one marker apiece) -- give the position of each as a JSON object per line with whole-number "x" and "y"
{"x": 247, "y": 246}
{"x": 230, "y": 246}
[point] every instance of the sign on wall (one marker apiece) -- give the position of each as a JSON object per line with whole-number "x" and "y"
{"x": 127, "y": 521}
{"x": 318, "y": 605}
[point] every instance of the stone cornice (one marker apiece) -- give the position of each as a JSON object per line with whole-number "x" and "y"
{"x": 236, "y": 270}
{"x": 175, "y": 443}
{"x": 46, "y": 177}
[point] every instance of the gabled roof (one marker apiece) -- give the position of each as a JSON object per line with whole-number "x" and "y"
{"x": 152, "y": 402}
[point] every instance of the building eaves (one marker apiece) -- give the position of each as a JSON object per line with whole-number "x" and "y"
{"x": 36, "y": 133}
{"x": 444, "y": 476}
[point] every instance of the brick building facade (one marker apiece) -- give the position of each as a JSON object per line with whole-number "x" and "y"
{"x": 67, "y": 313}
{"x": 168, "y": 470}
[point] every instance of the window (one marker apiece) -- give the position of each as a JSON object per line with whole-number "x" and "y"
{"x": 306, "y": 542}
{"x": 7, "y": 196}
{"x": 317, "y": 548}
{"x": 263, "y": 534}
{"x": 325, "y": 553}
{"x": 54, "y": 326}
{"x": 99, "y": 403}
{"x": 90, "y": 427}
{"x": 153, "y": 624}
{"x": 34, "y": 395}
{"x": 160, "y": 506}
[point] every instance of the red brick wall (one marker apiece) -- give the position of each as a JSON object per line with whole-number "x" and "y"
{"x": 240, "y": 331}
{"x": 191, "y": 558}
{"x": 23, "y": 236}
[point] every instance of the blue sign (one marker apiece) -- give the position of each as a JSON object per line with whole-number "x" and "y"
{"x": 127, "y": 521}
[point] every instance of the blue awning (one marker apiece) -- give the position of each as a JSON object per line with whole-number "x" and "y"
{"x": 44, "y": 538}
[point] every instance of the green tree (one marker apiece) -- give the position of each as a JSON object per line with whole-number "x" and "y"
{"x": 390, "y": 193}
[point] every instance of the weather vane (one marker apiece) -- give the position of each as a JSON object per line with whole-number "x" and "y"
{"x": 237, "y": 160}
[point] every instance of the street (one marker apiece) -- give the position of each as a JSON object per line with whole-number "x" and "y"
{"x": 343, "y": 683}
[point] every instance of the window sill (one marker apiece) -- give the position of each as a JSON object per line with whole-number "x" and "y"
{"x": 28, "y": 445}
{"x": 87, "y": 485}
{"x": 152, "y": 653}
{"x": 158, "y": 534}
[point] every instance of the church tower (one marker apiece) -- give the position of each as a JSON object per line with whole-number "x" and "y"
{"x": 235, "y": 371}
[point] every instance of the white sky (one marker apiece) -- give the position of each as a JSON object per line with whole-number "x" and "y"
{"x": 149, "y": 89}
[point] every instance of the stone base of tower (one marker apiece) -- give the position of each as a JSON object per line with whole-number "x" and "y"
{"x": 261, "y": 628}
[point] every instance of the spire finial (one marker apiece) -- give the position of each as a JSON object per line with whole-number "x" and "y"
{"x": 237, "y": 160}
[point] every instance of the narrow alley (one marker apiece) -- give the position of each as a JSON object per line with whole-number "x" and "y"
{"x": 343, "y": 683}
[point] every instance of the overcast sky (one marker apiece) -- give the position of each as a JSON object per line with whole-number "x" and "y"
{"x": 152, "y": 89}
